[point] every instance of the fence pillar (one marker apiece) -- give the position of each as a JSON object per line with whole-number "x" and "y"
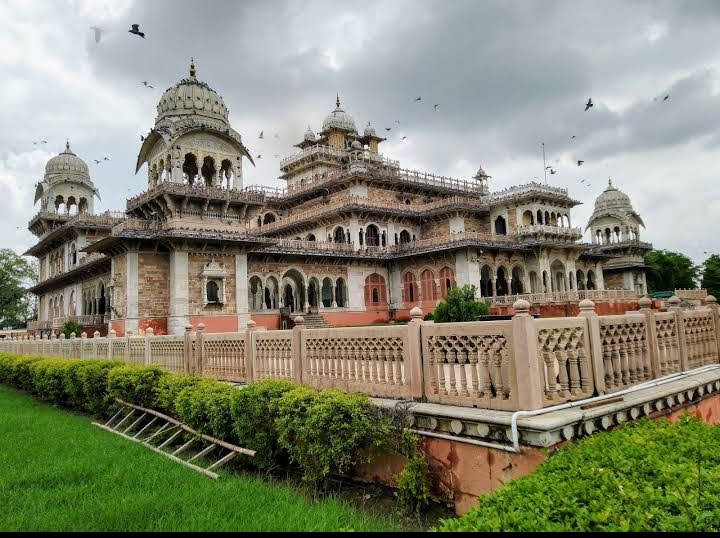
{"x": 530, "y": 385}
{"x": 111, "y": 336}
{"x": 96, "y": 335}
{"x": 187, "y": 350}
{"x": 83, "y": 337}
{"x": 297, "y": 349}
{"x": 674, "y": 307}
{"x": 149, "y": 332}
{"x": 250, "y": 351}
{"x": 414, "y": 355}
{"x": 645, "y": 304}
{"x": 199, "y": 351}
{"x": 128, "y": 335}
{"x": 712, "y": 304}
{"x": 587, "y": 311}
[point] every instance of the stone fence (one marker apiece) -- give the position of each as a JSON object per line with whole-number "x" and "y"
{"x": 519, "y": 364}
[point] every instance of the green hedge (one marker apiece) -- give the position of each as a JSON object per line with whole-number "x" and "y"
{"x": 647, "y": 476}
{"x": 322, "y": 432}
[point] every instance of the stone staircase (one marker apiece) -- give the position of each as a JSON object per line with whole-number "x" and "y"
{"x": 315, "y": 321}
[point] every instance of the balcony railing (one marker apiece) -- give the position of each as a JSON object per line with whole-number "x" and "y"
{"x": 565, "y": 297}
{"x": 93, "y": 320}
{"x": 547, "y": 230}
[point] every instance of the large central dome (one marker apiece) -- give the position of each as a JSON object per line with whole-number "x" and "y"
{"x": 339, "y": 119}
{"x": 192, "y": 97}
{"x": 67, "y": 164}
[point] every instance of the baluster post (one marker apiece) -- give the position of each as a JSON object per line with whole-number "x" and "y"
{"x": 674, "y": 303}
{"x": 199, "y": 351}
{"x": 592, "y": 328}
{"x": 297, "y": 349}
{"x": 712, "y": 304}
{"x": 149, "y": 332}
{"x": 187, "y": 349}
{"x": 528, "y": 384}
{"x": 414, "y": 366}
{"x": 645, "y": 304}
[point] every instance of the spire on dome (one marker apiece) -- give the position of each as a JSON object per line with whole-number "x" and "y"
{"x": 192, "y": 67}
{"x": 609, "y": 181}
{"x": 337, "y": 100}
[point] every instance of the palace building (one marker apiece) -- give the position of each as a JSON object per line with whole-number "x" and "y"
{"x": 352, "y": 238}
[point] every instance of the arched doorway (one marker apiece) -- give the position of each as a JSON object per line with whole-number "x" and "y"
{"x": 557, "y": 269}
{"x": 372, "y": 236}
{"x": 340, "y": 293}
{"x": 501, "y": 281}
{"x": 516, "y": 283}
{"x": 486, "y": 281}
{"x": 500, "y": 226}
{"x": 294, "y": 290}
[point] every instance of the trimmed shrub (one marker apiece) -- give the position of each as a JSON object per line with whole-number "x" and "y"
{"x": 327, "y": 432}
{"x": 88, "y": 382}
{"x": 71, "y": 327}
{"x": 169, "y": 387}
{"x": 205, "y": 406}
{"x": 135, "y": 384}
{"x": 460, "y": 305}
{"x": 254, "y": 409}
{"x": 48, "y": 380}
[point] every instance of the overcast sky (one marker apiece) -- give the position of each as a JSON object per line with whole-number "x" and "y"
{"x": 506, "y": 75}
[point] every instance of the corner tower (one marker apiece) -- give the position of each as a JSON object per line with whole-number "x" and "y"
{"x": 192, "y": 141}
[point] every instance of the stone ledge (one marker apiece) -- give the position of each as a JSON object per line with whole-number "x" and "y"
{"x": 489, "y": 425}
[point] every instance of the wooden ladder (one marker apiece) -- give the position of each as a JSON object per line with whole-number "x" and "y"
{"x": 172, "y": 438}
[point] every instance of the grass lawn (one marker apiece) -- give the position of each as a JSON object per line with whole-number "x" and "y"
{"x": 60, "y": 473}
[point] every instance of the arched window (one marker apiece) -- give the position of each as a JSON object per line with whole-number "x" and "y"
{"x": 208, "y": 171}
{"x": 212, "y": 292}
{"x": 375, "y": 291}
{"x": 340, "y": 293}
{"x": 404, "y": 237}
{"x": 516, "y": 283}
{"x": 539, "y": 217}
{"x": 73, "y": 255}
{"x": 427, "y": 285}
{"x": 310, "y": 237}
{"x": 527, "y": 219}
{"x": 447, "y": 281}
{"x": 500, "y": 226}
{"x": 372, "y": 236}
{"x": 410, "y": 294}
{"x": 71, "y": 206}
{"x": 190, "y": 169}
{"x": 501, "y": 287}
{"x": 580, "y": 279}
{"x": 486, "y": 281}
{"x": 590, "y": 280}
{"x": 269, "y": 218}
{"x": 339, "y": 235}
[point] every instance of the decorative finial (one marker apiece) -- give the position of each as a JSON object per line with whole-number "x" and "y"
{"x": 192, "y": 67}
{"x": 609, "y": 181}
{"x": 67, "y": 144}
{"x": 337, "y": 100}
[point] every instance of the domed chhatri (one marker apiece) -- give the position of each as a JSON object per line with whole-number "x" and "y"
{"x": 339, "y": 119}
{"x": 369, "y": 130}
{"x": 191, "y": 96}
{"x": 309, "y": 135}
{"x": 615, "y": 203}
{"x": 67, "y": 163}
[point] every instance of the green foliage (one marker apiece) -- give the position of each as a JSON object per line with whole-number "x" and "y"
{"x": 71, "y": 327}
{"x": 48, "y": 380}
{"x": 169, "y": 387}
{"x": 86, "y": 383}
{"x": 460, "y": 305}
{"x": 135, "y": 384}
{"x": 711, "y": 275}
{"x": 205, "y": 406}
{"x": 413, "y": 482}
{"x": 646, "y": 476}
{"x": 254, "y": 409}
{"x": 328, "y": 431}
{"x": 670, "y": 270}
{"x": 428, "y": 317}
{"x": 16, "y": 273}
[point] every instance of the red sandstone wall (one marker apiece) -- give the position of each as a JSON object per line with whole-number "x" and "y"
{"x": 216, "y": 324}
{"x": 570, "y": 309}
{"x": 270, "y": 321}
{"x": 118, "y": 326}
{"x": 159, "y": 325}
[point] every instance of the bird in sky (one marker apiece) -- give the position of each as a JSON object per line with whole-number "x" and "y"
{"x": 588, "y": 104}
{"x": 106, "y": 158}
{"x": 388, "y": 128}
{"x": 552, "y": 171}
{"x": 548, "y": 167}
{"x": 259, "y": 156}
{"x": 572, "y": 137}
{"x": 146, "y": 84}
{"x": 98, "y": 33}
{"x": 261, "y": 134}
{"x": 96, "y": 161}
{"x": 435, "y": 106}
{"x": 404, "y": 137}
{"x": 582, "y": 181}
{"x": 135, "y": 29}
{"x": 666, "y": 97}
{"x": 580, "y": 163}
{"x": 418, "y": 99}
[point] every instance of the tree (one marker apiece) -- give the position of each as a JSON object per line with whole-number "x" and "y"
{"x": 711, "y": 275}
{"x": 670, "y": 270}
{"x": 16, "y": 273}
{"x": 460, "y": 305}
{"x": 71, "y": 327}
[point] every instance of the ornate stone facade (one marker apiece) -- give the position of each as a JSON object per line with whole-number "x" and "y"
{"x": 353, "y": 238}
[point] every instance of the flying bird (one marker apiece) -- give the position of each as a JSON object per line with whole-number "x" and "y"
{"x": 136, "y": 30}
{"x": 572, "y": 137}
{"x": 553, "y": 171}
{"x": 261, "y": 134}
{"x": 435, "y": 106}
{"x": 98, "y": 33}
{"x": 666, "y": 97}
{"x": 548, "y": 167}
{"x": 146, "y": 84}
{"x": 588, "y": 104}
{"x": 418, "y": 99}
{"x": 43, "y": 141}
{"x": 259, "y": 156}
{"x": 404, "y": 137}
{"x": 580, "y": 163}
{"x": 388, "y": 128}
{"x": 96, "y": 161}
{"x": 106, "y": 158}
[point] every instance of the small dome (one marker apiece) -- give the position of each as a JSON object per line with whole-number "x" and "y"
{"x": 356, "y": 144}
{"x": 613, "y": 203}
{"x": 481, "y": 175}
{"x": 67, "y": 163}
{"x": 190, "y": 96}
{"x": 309, "y": 135}
{"x": 339, "y": 119}
{"x": 369, "y": 130}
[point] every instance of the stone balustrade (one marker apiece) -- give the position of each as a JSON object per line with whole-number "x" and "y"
{"x": 519, "y": 364}
{"x": 564, "y": 297}
{"x": 691, "y": 294}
